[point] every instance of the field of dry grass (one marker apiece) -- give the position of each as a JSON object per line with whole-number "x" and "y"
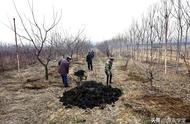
{"x": 30, "y": 99}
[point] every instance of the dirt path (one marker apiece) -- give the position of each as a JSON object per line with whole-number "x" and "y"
{"x": 98, "y": 73}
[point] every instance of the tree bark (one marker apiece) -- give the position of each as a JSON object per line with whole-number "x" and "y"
{"x": 46, "y": 72}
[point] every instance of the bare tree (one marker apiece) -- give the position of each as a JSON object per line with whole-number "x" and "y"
{"x": 186, "y": 12}
{"x": 142, "y": 36}
{"x": 131, "y": 40}
{"x": 59, "y": 44}
{"x": 187, "y": 63}
{"x": 165, "y": 12}
{"x": 149, "y": 70}
{"x": 137, "y": 41}
{"x": 104, "y": 48}
{"x": 151, "y": 24}
{"x": 178, "y": 14}
{"x": 71, "y": 42}
{"x": 159, "y": 29}
{"x": 38, "y": 35}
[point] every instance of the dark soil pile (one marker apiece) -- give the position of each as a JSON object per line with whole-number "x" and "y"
{"x": 90, "y": 94}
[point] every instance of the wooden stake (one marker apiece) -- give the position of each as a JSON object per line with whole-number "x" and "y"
{"x": 17, "y": 54}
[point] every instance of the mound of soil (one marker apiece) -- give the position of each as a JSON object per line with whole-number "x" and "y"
{"x": 90, "y": 94}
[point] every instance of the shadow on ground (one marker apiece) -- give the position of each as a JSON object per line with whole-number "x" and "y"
{"x": 90, "y": 94}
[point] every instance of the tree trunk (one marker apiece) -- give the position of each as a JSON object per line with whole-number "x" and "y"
{"x": 177, "y": 54}
{"x": 180, "y": 34}
{"x": 189, "y": 73}
{"x": 46, "y": 72}
{"x": 147, "y": 51}
{"x": 186, "y": 39}
{"x": 171, "y": 51}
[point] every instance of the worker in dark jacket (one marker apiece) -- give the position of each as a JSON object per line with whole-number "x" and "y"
{"x": 64, "y": 69}
{"x": 89, "y": 61}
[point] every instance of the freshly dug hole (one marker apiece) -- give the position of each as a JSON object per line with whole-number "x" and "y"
{"x": 90, "y": 94}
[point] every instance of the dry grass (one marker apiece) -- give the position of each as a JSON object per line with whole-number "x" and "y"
{"x": 136, "y": 77}
{"x": 135, "y": 106}
{"x": 36, "y": 86}
{"x": 166, "y": 105}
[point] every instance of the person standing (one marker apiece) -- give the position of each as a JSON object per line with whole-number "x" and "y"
{"x": 89, "y": 61}
{"x": 108, "y": 67}
{"x": 64, "y": 69}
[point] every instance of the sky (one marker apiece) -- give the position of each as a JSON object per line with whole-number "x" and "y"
{"x": 100, "y": 19}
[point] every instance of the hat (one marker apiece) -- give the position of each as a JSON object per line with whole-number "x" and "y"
{"x": 111, "y": 58}
{"x": 68, "y": 57}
